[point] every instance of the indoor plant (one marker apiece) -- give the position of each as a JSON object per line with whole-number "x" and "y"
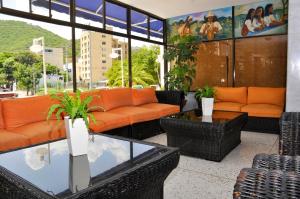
{"x": 181, "y": 54}
{"x": 77, "y": 117}
{"x": 206, "y": 96}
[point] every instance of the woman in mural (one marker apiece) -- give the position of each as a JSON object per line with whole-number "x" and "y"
{"x": 258, "y": 20}
{"x": 251, "y": 23}
{"x": 211, "y": 26}
{"x": 185, "y": 28}
{"x": 270, "y": 19}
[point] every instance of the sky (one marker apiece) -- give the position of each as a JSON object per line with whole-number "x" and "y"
{"x": 62, "y": 31}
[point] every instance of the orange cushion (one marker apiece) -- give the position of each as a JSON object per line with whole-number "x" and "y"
{"x": 228, "y": 106}
{"x": 263, "y": 110}
{"x": 137, "y": 114}
{"x": 97, "y": 100}
{"x": 44, "y": 131}
{"x": 163, "y": 109}
{"x": 10, "y": 141}
{"x": 229, "y": 94}
{"x": 22, "y": 111}
{"x": 107, "y": 121}
{"x": 1, "y": 116}
{"x": 115, "y": 98}
{"x": 143, "y": 96}
{"x": 260, "y": 95}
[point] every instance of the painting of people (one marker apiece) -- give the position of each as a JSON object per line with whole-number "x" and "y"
{"x": 268, "y": 17}
{"x": 210, "y": 25}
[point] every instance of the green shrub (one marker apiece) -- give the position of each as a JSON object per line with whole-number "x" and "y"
{"x": 207, "y": 92}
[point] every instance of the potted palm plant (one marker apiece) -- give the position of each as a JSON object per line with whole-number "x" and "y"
{"x": 206, "y": 95}
{"x": 77, "y": 117}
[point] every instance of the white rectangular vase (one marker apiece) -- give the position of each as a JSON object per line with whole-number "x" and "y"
{"x": 207, "y": 106}
{"x": 77, "y": 136}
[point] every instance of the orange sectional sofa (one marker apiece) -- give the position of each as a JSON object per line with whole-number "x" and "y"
{"x": 263, "y": 105}
{"x": 23, "y": 120}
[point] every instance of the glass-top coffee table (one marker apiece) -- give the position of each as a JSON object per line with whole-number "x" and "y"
{"x": 207, "y": 137}
{"x": 113, "y": 168}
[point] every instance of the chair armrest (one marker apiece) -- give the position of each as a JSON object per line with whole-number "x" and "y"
{"x": 277, "y": 162}
{"x": 171, "y": 97}
{"x": 261, "y": 183}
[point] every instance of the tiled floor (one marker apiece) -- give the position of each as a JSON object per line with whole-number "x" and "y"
{"x": 196, "y": 178}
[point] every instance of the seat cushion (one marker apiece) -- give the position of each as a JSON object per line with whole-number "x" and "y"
{"x": 44, "y": 131}
{"x": 163, "y": 109}
{"x": 263, "y": 110}
{"x": 23, "y": 111}
{"x": 114, "y": 98}
{"x": 228, "y": 106}
{"x": 230, "y": 94}
{"x": 106, "y": 121}
{"x": 137, "y": 114}
{"x": 10, "y": 141}
{"x": 143, "y": 96}
{"x": 261, "y": 95}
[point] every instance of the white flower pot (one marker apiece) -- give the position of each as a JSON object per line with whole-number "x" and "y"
{"x": 207, "y": 106}
{"x": 77, "y": 136}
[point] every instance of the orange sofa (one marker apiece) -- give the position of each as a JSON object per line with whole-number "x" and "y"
{"x": 23, "y": 121}
{"x": 263, "y": 105}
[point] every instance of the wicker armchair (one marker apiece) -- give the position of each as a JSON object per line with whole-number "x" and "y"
{"x": 289, "y": 134}
{"x": 271, "y": 176}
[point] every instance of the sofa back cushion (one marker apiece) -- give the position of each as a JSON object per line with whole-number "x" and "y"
{"x": 22, "y": 111}
{"x": 114, "y": 98}
{"x": 266, "y": 95}
{"x": 97, "y": 102}
{"x": 230, "y": 94}
{"x": 143, "y": 96}
{"x": 1, "y": 116}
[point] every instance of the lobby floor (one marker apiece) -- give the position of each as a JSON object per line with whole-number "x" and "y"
{"x": 196, "y": 178}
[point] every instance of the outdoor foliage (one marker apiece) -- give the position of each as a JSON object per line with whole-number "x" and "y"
{"x": 181, "y": 54}
{"x": 206, "y": 92}
{"x": 73, "y": 106}
{"x": 145, "y": 68}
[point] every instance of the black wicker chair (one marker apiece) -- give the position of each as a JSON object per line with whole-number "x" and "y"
{"x": 271, "y": 176}
{"x": 289, "y": 134}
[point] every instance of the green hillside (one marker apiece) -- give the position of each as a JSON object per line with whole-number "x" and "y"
{"x": 16, "y": 36}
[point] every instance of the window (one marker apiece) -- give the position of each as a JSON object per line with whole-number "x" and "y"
{"x": 116, "y": 18}
{"x": 90, "y": 13}
{"x": 103, "y": 43}
{"x": 21, "y": 5}
{"x": 103, "y": 61}
{"x": 156, "y": 29}
{"x": 139, "y": 24}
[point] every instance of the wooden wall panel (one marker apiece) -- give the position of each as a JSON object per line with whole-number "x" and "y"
{"x": 261, "y": 61}
{"x": 214, "y": 64}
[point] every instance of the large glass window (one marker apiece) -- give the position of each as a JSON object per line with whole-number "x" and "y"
{"x": 28, "y": 50}
{"x": 139, "y": 24}
{"x": 90, "y": 12}
{"x": 102, "y": 61}
{"x": 156, "y": 29}
{"x": 147, "y": 65}
{"x": 116, "y": 18}
{"x": 21, "y": 5}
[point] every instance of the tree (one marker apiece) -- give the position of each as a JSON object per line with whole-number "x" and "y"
{"x": 6, "y": 69}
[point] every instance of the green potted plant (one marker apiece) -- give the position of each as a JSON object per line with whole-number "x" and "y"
{"x": 206, "y": 96}
{"x": 77, "y": 117}
{"x": 181, "y": 53}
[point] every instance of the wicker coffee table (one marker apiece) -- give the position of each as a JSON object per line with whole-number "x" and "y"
{"x": 114, "y": 168}
{"x": 210, "y": 138}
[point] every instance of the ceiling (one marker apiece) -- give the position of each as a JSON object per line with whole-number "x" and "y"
{"x": 172, "y": 8}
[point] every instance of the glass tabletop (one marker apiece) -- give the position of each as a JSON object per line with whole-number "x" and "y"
{"x": 217, "y": 117}
{"x": 51, "y": 168}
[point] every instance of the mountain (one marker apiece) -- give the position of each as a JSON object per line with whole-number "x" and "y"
{"x": 16, "y": 36}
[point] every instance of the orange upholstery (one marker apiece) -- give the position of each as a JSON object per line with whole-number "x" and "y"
{"x": 107, "y": 121}
{"x": 259, "y": 95}
{"x": 137, "y": 114}
{"x": 39, "y": 132}
{"x": 22, "y": 111}
{"x": 97, "y": 102}
{"x": 226, "y": 94}
{"x": 115, "y": 98}
{"x": 263, "y": 110}
{"x": 10, "y": 141}
{"x": 1, "y": 117}
{"x": 163, "y": 109}
{"x": 143, "y": 96}
{"x": 228, "y": 106}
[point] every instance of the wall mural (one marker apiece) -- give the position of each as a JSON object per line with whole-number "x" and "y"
{"x": 268, "y": 17}
{"x": 264, "y": 18}
{"x": 210, "y": 25}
